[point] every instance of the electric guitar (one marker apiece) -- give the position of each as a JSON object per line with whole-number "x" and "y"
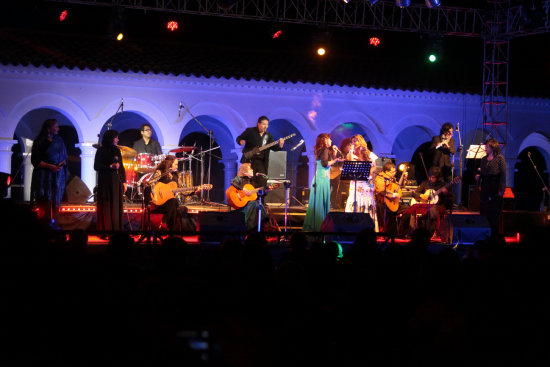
{"x": 162, "y": 192}
{"x": 237, "y": 198}
{"x": 256, "y": 150}
{"x": 432, "y": 196}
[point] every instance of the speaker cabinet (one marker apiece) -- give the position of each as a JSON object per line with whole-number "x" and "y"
{"x": 346, "y": 222}
{"x": 277, "y": 165}
{"x": 213, "y": 222}
{"x": 76, "y": 191}
{"x": 464, "y": 229}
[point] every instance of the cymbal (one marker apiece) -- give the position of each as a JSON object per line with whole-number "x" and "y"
{"x": 182, "y": 149}
{"x": 127, "y": 152}
{"x": 145, "y": 170}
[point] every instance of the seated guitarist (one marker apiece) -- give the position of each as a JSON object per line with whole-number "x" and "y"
{"x": 387, "y": 192}
{"x": 244, "y": 177}
{"x": 254, "y": 137}
{"x": 166, "y": 172}
{"x": 441, "y": 203}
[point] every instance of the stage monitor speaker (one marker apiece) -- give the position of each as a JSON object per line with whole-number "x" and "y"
{"x": 346, "y": 222}
{"x": 465, "y": 229}
{"x": 277, "y": 165}
{"x": 213, "y": 222}
{"x": 76, "y": 191}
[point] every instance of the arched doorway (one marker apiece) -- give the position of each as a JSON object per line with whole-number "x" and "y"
{"x": 527, "y": 184}
{"x": 26, "y": 131}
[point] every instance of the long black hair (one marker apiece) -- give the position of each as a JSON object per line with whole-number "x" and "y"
{"x": 108, "y": 138}
{"x": 44, "y": 130}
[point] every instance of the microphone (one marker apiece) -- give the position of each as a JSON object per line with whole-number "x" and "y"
{"x": 122, "y": 105}
{"x": 179, "y": 110}
{"x": 297, "y": 145}
{"x": 261, "y": 175}
{"x": 457, "y": 127}
{"x": 116, "y": 161}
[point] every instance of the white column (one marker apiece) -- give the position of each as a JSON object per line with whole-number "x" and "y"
{"x": 5, "y": 155}
{"x": 87, "y": 156}
{"x": 27, "y": 168}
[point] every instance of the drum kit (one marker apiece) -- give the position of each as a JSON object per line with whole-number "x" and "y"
{"x": 141, "y": 166}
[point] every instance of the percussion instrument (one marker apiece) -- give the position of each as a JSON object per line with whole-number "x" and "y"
{"x": 127, "y": 152}
{"x": 182, "y": 150}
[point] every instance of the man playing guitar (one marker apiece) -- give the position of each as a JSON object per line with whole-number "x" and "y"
{"x": 388, "y": 192}
{"x": 254, "y": 137}
{"x": 242, "y": 194}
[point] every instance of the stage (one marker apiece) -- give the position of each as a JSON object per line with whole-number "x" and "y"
{"x": 460, "y": 227}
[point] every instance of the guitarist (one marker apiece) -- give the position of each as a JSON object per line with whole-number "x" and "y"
{"x": 443, "y": 204}
{"x": 166, "y": 172}
{"x": 387, "y": 189}
{"x": 246, "y": 176}
{"x": 254, "y": 137}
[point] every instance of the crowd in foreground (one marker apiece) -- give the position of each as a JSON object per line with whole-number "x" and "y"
{"x": 68, "y": 303}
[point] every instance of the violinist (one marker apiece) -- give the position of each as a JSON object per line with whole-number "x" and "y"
{"x": 443, "y": 147}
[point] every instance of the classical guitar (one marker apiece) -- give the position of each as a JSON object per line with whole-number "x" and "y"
{"x": 394, "y": 187}
{"x": 237, "y": 198}
{"x": 162, "y": 192}
{"x": 432, "y": 196}
{"x": 256, "y": 150}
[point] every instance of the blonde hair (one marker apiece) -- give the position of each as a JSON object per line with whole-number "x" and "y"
{"x": 361, "y": 149}
{"x": 243, "y": 169}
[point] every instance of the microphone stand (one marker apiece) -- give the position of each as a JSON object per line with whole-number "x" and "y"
{"x": 210, "y": 143}
{"x": 544, "y": 187}
{"x": 429, "y": 188}
{"x": 460, "y": 167}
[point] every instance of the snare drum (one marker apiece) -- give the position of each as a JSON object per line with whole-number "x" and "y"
{"x": 144, "y": 160}
{"x": 158, "y": 158}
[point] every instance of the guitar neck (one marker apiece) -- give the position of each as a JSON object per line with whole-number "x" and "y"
{"x": 275, "y": 142}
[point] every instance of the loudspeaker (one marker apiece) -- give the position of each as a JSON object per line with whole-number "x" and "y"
{"x": 277, "y": 165}
{"x": 76, "y": 191}
{"x": 464, "y": 228}
{"x": 220, "y": 222}
{"x": 346, "y": 222}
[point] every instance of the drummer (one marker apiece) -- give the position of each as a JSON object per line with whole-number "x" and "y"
{"x": 147, "y": 144}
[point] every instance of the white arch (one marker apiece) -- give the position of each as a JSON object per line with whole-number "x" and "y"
{"x": 367, "y": 123}
{"x": 146, "y": 109}
{"x": 535, "y": 139}
{"x": 70, "y": 109}
{"x": 427, "y": 123}
{"x": 233, "y": 120}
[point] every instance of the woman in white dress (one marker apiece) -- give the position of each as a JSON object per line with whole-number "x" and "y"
{"x": 365, "y": 189}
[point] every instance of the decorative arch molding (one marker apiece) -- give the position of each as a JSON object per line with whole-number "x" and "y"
{"x": 67, "y": 106}
{"x": 424, "y": 122}
{"x": 367, "y": 123}
{"x": 535, "y": 139}
{"x": 235, "y": 122}
{"x": 144, "y": 108}
{"x": 299, "y": 120}
{"x": 224, "y": 138}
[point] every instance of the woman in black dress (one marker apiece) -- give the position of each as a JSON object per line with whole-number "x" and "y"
{"x": 492, "y": 182}
{"x": 111, "y": 183}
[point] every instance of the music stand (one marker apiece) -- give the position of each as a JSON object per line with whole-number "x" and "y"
{"x": 356, "y": 171}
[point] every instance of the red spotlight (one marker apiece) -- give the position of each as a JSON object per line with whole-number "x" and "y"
{"x": 277, "y": 34}
{"x": 63, "y": 15}
{"x": 172, "y": 25}
{"x": 375, "y": 41}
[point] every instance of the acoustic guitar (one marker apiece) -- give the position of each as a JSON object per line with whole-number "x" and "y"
{"x": 431, "y": 196}
{"x": 394, "y": 187}
{"x": 256, "y": 150}
{"x": 237, "y": 198}
{"x": 162, "y": 192}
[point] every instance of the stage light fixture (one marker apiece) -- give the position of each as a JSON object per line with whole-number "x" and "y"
{"x": 63, "y": 15}
{"x": 433, "y": 3}
{"x": 432, "y": 57}
{"x": 321, "y": 51}
{"x": 374, "y": 41}
{"x": 372, "y": 2}
{"x": 172, "y": 25}
{"x": 346, "y": 1}
{"x": 402, "y": 3}
{"x": 120, "y": 36}
{"x": 404, "y": 166}
{"x": 277, "y": 34}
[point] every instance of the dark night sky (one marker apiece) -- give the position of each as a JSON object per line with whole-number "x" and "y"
{"x": 348, "y": 48}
